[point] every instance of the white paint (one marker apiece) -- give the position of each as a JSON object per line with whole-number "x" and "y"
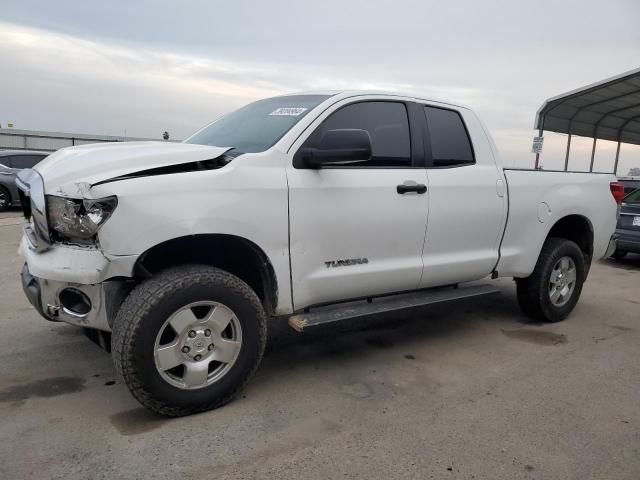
{"x": 543, "y": 212}
{"x": 67, "y": 171}
{"x": 566, "y": 193}
{"x": 450, "y": 234}
{"x": 353, "y": 213}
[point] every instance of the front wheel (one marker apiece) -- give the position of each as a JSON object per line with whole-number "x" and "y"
{"x": 551, "y": 292}
{"x": 188, "y": 339}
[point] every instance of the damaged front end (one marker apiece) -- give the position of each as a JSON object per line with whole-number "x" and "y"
{"x": 69, "y": 283}
{"x": 85, "y": 305}
{"x": 78, "y": 220}
{"x": 68, "y": 276}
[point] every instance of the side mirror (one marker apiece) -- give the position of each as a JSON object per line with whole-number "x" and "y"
{"x": 339, "y": 147}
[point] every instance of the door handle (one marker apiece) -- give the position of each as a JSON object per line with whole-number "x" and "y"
{"x": 411, "y": 187}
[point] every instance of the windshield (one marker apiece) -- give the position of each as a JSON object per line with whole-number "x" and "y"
{"x": 633, "y": 197}
{"x": 259, "y": 125}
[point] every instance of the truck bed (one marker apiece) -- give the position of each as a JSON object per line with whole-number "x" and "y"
{"x": 538, "y": 199}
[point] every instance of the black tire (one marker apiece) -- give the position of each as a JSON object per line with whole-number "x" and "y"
{"x": 619, "y": 254}
{"x": 533, "y": 291}
{"x": 144, "y": 313}
{"x": 5, "y": 199}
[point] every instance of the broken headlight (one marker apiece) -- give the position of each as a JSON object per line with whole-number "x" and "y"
{"x": 76, "y": 219}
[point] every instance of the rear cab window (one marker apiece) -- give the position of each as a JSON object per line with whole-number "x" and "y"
{"x": 448, "y": 138}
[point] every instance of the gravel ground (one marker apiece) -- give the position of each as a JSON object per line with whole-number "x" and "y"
{"x": 460, "y": 391}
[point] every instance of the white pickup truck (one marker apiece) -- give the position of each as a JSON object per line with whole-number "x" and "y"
{"x": 320, "y": 207}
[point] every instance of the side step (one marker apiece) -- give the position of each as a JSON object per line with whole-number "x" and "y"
{"x": 390, "y": 303}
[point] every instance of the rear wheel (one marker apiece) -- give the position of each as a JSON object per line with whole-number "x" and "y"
{"x": 188, "y": 339}
{"x": 5, "y": 199}
{"x": 619, "y": 254}
{"x": 553, "y": 289}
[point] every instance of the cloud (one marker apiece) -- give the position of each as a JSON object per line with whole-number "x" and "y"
{"x": 103, "y": 68}
{"x": 60, "y": 81}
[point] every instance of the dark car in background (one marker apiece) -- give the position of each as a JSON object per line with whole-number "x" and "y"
{"x": 11, "y": 162}
{"x": 628, "y": 228}
{"x": 629, "y": 183}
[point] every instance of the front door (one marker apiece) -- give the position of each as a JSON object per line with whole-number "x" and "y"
{"x": 353, "y": 231}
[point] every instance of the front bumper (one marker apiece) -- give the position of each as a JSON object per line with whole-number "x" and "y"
{"x": 103, "y": 280}
{"x": 104, "y": 299}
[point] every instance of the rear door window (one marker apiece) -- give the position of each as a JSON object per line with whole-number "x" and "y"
{"x": 450, "y": 144}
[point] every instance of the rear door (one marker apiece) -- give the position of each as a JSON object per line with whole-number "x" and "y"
{"x": 353, "y": 232}
{"x": 467, "y": 198}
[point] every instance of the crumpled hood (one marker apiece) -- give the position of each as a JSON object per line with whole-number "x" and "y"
{"x": 71, "y": 171}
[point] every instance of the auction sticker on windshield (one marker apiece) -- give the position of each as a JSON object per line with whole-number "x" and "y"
{"x": 288, "y": 111}
{"x": 636, "y": 221}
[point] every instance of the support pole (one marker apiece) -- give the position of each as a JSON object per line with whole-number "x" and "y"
{"x": 566, "y": 158}
{"x": 615, "y": 166}
{"x": 540, "y": 132}
{"x": 593, "y": 154}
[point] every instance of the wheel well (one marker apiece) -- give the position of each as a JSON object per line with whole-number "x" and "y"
{"x": 578, "y": 229}
{"x": 233, "y": 254}
{"x": 7, "y": 191}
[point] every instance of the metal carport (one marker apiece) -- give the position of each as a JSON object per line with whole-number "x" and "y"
{"x": 606, "y": 110}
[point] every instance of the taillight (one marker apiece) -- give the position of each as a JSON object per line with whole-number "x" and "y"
{"x": 617, "y": 190}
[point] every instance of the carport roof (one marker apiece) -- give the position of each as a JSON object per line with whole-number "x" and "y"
{"x": 608, "y": 110}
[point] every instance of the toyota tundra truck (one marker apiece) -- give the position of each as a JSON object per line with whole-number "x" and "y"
{"x": 318, "y": 207}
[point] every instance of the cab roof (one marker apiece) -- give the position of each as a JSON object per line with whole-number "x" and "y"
{"x": 356, "y": 93}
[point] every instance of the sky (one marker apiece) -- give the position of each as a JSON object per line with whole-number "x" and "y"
{"x": 149, "y": 66}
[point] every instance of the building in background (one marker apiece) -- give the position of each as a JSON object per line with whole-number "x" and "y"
{"x": 13, "y": 139}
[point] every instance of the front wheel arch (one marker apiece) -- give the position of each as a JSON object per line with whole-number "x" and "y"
{"x": 231, "y": 253}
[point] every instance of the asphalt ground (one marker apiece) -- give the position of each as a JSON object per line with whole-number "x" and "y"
{"x": 467, "y": 390}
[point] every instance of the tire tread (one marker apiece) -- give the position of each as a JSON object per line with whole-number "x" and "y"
{"x": 531, "y": 291}
{"x": 138, "y": 304}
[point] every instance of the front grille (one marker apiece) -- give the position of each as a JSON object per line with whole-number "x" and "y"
{"x": 34, "y": 205}
{"x": 25, "y": 202}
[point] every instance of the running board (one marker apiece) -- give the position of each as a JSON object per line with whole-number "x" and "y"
{"x": 390, "y": 303}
